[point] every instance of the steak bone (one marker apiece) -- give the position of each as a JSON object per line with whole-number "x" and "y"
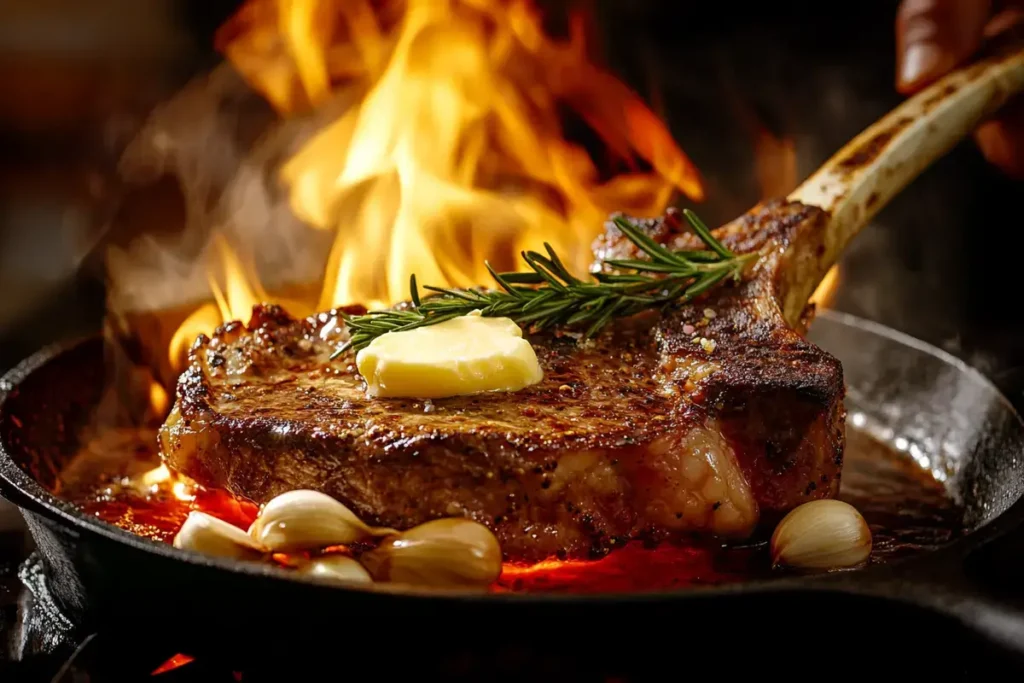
{"x": 708, "y": 419}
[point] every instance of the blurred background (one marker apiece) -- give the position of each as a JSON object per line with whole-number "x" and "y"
{"x": 757, "y": 97}
{"x": 78, "y": 80}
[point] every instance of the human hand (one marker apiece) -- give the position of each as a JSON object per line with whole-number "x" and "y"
{"x": 935, "y": 36}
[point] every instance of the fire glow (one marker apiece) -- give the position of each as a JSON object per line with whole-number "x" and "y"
{"x": 450, "y": 147}
{"x": 449, "y": 150}
{"x": 447, "y": 145}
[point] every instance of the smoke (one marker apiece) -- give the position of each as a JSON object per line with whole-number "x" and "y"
{"x": 204, "y": 164}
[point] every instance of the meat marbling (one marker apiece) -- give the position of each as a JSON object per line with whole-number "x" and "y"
{"x": 639, "y": 433}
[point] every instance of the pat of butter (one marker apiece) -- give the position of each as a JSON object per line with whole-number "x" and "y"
{"x": 465, "y": 355}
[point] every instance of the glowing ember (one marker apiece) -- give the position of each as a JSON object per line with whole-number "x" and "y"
{"x": 632, "y": 567}
{"x": 449, "y": 148}
{"x": 232, "y": 301}
{"x": 175, "y": 662}
{"x": 156, "y": 476}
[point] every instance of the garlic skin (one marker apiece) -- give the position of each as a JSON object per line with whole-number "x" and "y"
{"x": 338, "y": 568}
{"x": 207, "y": 534}
{"x": 821, "y": 535}
{"x": 450, "y": 552}
{"x": 309, "y": 520}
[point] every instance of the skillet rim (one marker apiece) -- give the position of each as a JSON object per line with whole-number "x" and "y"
{"x": 24, "y": 491}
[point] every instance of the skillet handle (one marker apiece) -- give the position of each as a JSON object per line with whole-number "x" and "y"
{"x": 12, "y": 502}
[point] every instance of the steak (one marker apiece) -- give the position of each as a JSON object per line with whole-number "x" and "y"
{"x": 708, "y": 418}
{"x": 701, "y": 420}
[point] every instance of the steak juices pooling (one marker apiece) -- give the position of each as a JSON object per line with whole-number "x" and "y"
{"x": 908, "y": 512}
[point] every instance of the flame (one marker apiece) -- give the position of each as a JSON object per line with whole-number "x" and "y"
{"x": 445, "y": 142}
{"x": 175, "y": 662}
{"x": 826, "y": 290}
{"x": 512, "y": 571}
{"x": 155, "y": 477}
{"x": 450, "y": 146}
{"x": 158, "y": 399}
{"x": 231, "y": 301}
{"x": 774, "y": 164}
{"x": 777, "y": 175}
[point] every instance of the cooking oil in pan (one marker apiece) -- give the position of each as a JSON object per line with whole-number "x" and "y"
{"x": 905, "y": 506}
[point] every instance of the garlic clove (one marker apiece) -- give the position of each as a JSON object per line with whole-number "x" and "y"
{"x": 309, "y": 520}
{"x": 821, "y": 534}
{"x": 339, "y": 568}
{"x": 207, "y": 534}
{"x": 448, "y": 552}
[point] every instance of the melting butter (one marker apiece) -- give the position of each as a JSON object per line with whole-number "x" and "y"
{"x": 465, "y": 355}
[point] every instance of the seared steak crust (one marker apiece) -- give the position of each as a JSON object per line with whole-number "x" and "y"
{"x": 641, "y": 432}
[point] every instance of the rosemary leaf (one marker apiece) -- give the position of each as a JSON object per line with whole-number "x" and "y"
{"x": 548, "y": 295}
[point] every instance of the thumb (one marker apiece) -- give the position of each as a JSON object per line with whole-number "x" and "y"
{"x": 934, "y": 36}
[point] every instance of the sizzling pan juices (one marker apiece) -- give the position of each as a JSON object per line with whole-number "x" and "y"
{"x": 708, "y": 419}
{"x": 901, "y": 390}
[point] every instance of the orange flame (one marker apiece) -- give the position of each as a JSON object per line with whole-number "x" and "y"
{"x": 449, "y": 149}
{"x": 775, "y": 166}
{"x": 234, "y": 289}
{"x": 158, "y": 399}
{"x": 162, "y": 479}
{"x": 232, "y": 301}
{"x": 826, "y": 291}
{"x": 175, "y": 662}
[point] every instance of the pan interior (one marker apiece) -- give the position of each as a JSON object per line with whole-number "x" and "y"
{"x": 934, "y": 409}
{"x": 916, "y": 401}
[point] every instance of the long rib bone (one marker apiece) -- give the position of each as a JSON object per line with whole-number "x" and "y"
{"x": 863, "y": 176}
{"x": 712, "y": 418}
{"x": 776, "y": 396}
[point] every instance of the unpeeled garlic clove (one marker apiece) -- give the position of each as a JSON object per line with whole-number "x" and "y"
{"x": 821, "y": 534}
{"x": 309, "y": 520}
{"x": 340, "y": 568}
{"x": 207, "y": 534}
{"x": 444, "y": 552}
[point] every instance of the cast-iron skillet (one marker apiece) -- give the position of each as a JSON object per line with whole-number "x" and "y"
{"x": 917, "y": 397}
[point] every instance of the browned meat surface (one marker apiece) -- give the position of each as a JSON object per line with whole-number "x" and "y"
{"x": 642, "y": 432}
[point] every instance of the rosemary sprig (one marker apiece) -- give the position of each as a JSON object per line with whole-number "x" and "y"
{"x": 549, "y": 295}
